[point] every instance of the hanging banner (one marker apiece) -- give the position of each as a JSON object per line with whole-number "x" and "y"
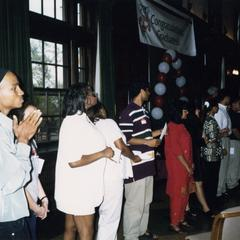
{"x": 163, "y": 26}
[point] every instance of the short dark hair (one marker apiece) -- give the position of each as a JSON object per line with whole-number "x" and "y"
{"x": 136, "y": 87}
{"x": 74, "y": 99}
{"x": 175, "y": 111}
{"x": 235, "y": 98}
{"x": 222, "y": 94}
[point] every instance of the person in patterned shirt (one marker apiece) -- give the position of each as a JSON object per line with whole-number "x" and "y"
{"x": 211, "y": 152}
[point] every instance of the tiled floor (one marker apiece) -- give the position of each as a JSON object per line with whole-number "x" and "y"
{"x": 52, "y": 228}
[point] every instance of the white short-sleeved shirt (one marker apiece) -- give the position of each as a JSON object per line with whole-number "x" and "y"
{"x": 79, "y": 190}
{"x": 222, "y": 118}
{"x": 112, "y": 132}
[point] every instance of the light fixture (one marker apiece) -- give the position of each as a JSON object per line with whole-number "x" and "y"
{"x": 235, "y": 72}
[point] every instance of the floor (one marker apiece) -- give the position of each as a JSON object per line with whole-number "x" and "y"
{"x": 52, "y": 228}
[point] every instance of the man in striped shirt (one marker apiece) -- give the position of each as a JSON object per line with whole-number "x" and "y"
{"x": 135, "y": 124}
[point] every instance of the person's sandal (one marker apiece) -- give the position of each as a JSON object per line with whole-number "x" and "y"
{"x": 175, "y": 228}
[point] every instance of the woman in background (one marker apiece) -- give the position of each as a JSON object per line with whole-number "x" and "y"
{"x": 194, "y": 126}
{"x": 178, "y": 153}
{"x": 80, "y": 165}
{"x": 211, "y": 152}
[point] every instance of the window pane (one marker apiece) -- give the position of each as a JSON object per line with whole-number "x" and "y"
{"x": 59, "y": 10}
{"x": 50, "y": 76}
{"x": 36, "y": 50}
{"x": 41, "y": 103}
{"x": 48, "y": 8}
{"x": 42, "y": 135}
{"x": 53, "y": 127}
{"x": 49, "y": 52}
{"x": 53, "y": 105}
{"x": 59, "y": 54}
{"x": 35, "y": 6}
{"x": 60, "y": 77}
{"x": 37, "y": 74}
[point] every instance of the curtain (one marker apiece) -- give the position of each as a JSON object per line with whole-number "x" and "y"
{"x": 106, "y": 56}
{"x": 14, "y": 40}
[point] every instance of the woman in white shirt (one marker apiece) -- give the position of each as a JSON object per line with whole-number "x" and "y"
{"x": 80, "y": 165}
{"x": 110, "y": 209}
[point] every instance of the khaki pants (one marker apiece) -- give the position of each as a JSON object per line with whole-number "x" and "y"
{"x": 138, "y": 196}
{"x": 234, "y": 164}
{"x": 222, "y": 181}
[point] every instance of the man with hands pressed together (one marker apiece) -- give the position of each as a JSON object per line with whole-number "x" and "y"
{"x": 15, "y": 164}
{"x": 135, "y": 125}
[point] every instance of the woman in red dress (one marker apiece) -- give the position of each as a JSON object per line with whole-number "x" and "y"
{"x": 178, "y": 153}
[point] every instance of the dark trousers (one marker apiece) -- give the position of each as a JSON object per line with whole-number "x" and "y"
{"x": 31, "y": 224}
{"x": 211, "y": 170}
{"x": 14, "y": 230}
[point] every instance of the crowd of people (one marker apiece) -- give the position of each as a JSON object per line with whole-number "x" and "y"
{"x": 101, "y": 162}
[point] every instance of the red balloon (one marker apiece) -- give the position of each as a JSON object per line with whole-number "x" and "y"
{"x": 183, "y": 91}
{"x": 178, "y": 72}
{"x": 161, "y": 77}
{"x": 158, "y": 101}
{"x": 167, "y": 58}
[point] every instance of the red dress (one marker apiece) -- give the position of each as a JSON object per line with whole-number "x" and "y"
{"x": 178, "y": 142}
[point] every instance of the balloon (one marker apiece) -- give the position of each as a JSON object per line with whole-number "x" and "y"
{"x": 157, "y": 113}
{"x": 212, "y": 91}
{"x": 180, "y": 81}
{"x": 183, "y": 91}
{"x": 167, "y": 58}
{"x": 160, "y": 89}
{"x": 178, "y": 72}
{"x": 163, "y": 67}
{"x": 172, "y": 53}
{"x": 183, "y": 98}
{"x": 158, "y": 101}
{"x": 177, "y": 64}
{"x": 161, "y": 77}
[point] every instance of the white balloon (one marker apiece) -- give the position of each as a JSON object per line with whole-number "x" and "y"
{"x": 212, "y": 90}
{"x": 183, "y": 98}
{"x": 160, "y": 89}
{"x": 180, "y": 81}
{"x": 172, "y": 53}
{"x": 157, "y": 113}
{"x": 163, "y": 67}
{"x": 177, "y": 64}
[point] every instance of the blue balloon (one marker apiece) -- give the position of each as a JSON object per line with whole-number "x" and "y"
{"x": 157, "y": 113}
{"x": 177, "y": 64}
{"x": 180, "y": 81}
{"x": 172, "y": 53}
{"x": 160, "y": 89}
{"x": 163, "y": 67}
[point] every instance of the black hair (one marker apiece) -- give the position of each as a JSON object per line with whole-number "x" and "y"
{"x": 235, "y": 98}
{"x": 136, "y": 87}
{"x": 222, "y": 94}
{"x": 74, "y": 99}
{"x": 209, "y": 104}
{"x": 94, "y": 112}
{"x": 175, "y": 111}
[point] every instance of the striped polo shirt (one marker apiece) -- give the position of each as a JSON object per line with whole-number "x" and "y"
{"x": 134, "y": 122}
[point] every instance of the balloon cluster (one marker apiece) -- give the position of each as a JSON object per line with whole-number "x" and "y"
{"x": 169, "y": 59}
